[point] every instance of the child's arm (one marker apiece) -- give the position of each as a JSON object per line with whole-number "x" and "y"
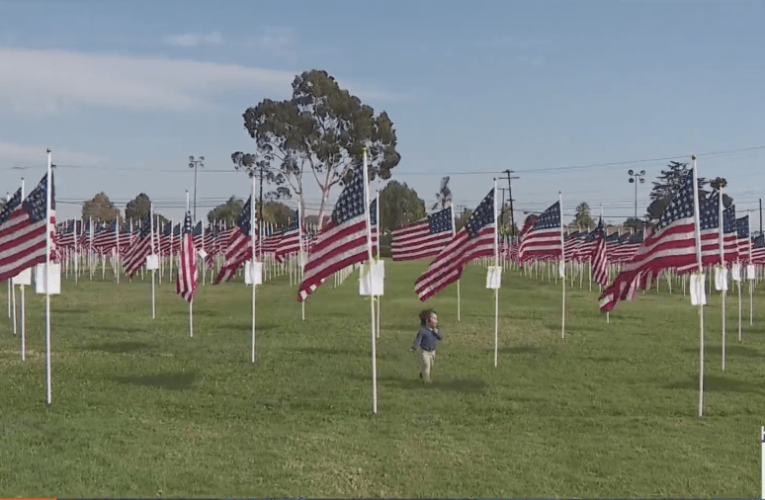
{"x": 438, "y": 336}
{"x": 417, "y": 340}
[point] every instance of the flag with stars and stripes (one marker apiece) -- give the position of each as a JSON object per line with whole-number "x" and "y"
{"x": 600, "y": 256}
{"x": 423, "y": 239}
{"x": 140, "y": 248}
{"x": 543, "y": 239}
{"x": 744, "y": 244}
{"x": 23, "y": 229}
{"x": 289, "y": 242}
{"x": 474, "y": 241}
{"x": 758, "y": 250}
{"x": 709, "y": 229}
{"x": 730, "y": 238}
{"x": 343, "y": 241}
{"x": 186, "y": 282}
{"x": 672, "y": 245}
{"x": 238, "y": 248}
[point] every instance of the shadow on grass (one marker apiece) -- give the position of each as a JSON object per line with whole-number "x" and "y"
{"x": 455, "y": 385}
{"x": 241, "y": 326}
{"x": 113, "y": 328}
{"x": 717, "y": 383}
{"x": 71, "y": 310}
{"x": 606, "y": 359}
{"x": 119, "y": 347}
{"x": 179, "y": 381}
{"x": 524, "y": 349}
{"x": 339, "y": 351}
{"x": 730, "y": 350}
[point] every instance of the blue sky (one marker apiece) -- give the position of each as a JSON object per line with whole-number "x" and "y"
{"x": 128, "y": 90}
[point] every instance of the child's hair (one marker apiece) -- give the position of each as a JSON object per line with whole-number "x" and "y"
{"x": 425, "y": 316}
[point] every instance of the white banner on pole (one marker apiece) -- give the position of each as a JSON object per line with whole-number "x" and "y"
{"x": 52, "y": 285}
{"x": 721, "y": 279}
{"x": 698, "y": 290}
{"x": 253, "y": 273}
{"x": 152, "y": 262}
{"x": 494, "y": 277}
{"x": 23, "y": 278}
{"x": 372, "y": 282}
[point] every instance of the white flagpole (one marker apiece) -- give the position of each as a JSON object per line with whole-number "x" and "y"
{"x": 76, "y": 255}
{"x": 379, "y": 235}
{"x": 700, "y": 281}
{"x": 496, "y": 290}
{"x": 252, "y": 266}
{"x": 454, "y": 232}
{"x": 47, "y": 281}
{"x": 301, "y": 261}
{"x": 153, "y": 271}
{"x": 751, "y": 281}
{"x": 371, "y": 302}
{"x": 23, "y": 306}
{"x": 721, "y": 233}
{"x": 117, "y": 262}
{"x": 192, "y": 258}
{"x": 10, "y": 286}
{"x": 562, "y": 266}
{"x": 762, "y": 460}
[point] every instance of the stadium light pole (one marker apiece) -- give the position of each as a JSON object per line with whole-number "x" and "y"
{"x": 636, "y": 178}
{"x": 196, "y": 164}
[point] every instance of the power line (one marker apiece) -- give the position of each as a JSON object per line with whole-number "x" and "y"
{"x": 396, "y": 173}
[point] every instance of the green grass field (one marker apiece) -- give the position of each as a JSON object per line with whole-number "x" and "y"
{"x": 140, "y": 409}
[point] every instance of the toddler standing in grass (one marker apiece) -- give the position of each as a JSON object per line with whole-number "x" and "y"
{"x": 426, "y": 341}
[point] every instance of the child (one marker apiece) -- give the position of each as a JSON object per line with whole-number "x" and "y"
{"x": 426, "y": 341}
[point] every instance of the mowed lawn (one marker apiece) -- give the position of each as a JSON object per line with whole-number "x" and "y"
{"x": 141, "y": 410}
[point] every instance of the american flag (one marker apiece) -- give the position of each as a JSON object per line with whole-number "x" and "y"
{"x": 186, "y": 282}
{"x": 423, "y": 239}
{"x": 730, "y": 238}
{"x": 289, "y": 243}
{"x": 744, "y": 244}
{"x": 709, "y": 227}
{"x": 672, "y": 245}
{"x": 23, "y": 230}
{"x": 140, "y": 248}
{"x": 238, "y": 247}
{"x": 758, "y": 250}
{"x": 474, "y": 241}
{"x": 543, "y": 240}
{"x": 343, "y": 241}
{"x": 600, "y": 256}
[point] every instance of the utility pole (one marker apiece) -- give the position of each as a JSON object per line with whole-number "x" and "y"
{"x": 501, "y": 220}
{"x": 196, "y": 164}
{"x": 760, "y": 215}
{"x": 510, "y": 192}
{"x": 636, "y": 178}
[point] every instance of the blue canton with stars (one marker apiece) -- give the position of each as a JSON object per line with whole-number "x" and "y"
{"x": 759, "y": 241}
{"x": 599, "y": 231}
{"x": 550, "y": 218}
{"x": 188, "y": 226}
{"x": 168, "y": 231}
{"x": 681, "y": 206}
{"x": 145, "y": 227}
{"x": 10, "y": 206}
{"x": 36, "y": 203}
{"x": 729, "y": 220}
{"x": 636, "y": 238}
{"x": 440, "y": 222}
{"x": 198, "y": 229}
{"x": 350, "y": 204}
{"x": 612, "y": 238}
{"x": 482, "y": 217}
{"x": 742, "y": 227}
{"x": 244, "y": 222}
{"x": 709, "y": 213}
